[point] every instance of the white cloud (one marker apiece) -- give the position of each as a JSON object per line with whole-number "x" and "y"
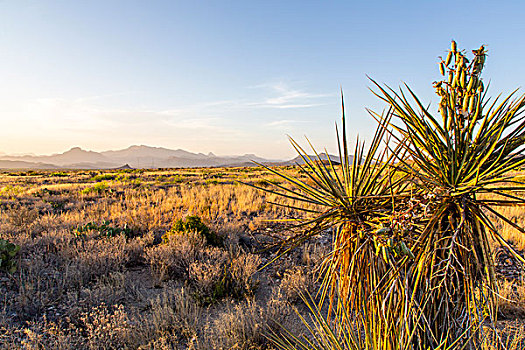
{"x": 284, "y": 123}
{"x": 284, "y": 97}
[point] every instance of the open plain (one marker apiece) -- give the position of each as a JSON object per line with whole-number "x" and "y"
{"x": 166, "y": 259}
{"x": 102, "y": 267}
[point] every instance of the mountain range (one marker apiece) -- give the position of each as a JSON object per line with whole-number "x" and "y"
{"x": 135, "y": 157}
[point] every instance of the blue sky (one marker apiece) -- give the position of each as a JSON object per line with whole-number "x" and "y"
{"x": 230, "y": 77}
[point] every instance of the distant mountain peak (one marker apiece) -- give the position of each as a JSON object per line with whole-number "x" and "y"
{"x": 140, "y": 147}
{"x": 135, "y": 156}
{"x": 78, "y": 151}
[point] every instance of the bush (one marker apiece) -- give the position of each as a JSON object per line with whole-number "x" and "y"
{"x": 59, "y": 174}
{"x": 218, "y": 274}
{"x": 105, "y": 230}
{"x": 173, "y": 259}
{"x": 8, "y": 253}
{"x": 193, "y": 224}
{"x": 104, "y": 177}
{"x": 98, "y": 188}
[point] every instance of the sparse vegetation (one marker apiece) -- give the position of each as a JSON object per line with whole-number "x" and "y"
{"x": 96, "y": 272}
{"x": 98, "y": 188}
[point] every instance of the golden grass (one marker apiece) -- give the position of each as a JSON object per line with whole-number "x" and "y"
{"x": 87, "y": 291}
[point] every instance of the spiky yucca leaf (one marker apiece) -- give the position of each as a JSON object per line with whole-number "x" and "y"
{"x": 357, "y": 197}
{"x": 364, "y": 331}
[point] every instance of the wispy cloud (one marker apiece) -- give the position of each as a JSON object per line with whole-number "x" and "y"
{"x": 87, "y": 112}
{"x": 284, "y": 123}
{"x": 285, "y": 97}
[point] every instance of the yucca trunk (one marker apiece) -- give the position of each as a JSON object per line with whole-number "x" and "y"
{"x": 344, "y": 269}
{"x": 457, "y": 272}
{"x": 371, "y": 288}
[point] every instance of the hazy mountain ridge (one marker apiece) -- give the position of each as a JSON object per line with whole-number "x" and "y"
{"x": 14, "y": 164}
{"x": 135, "y": 156}
{"x": 322, "y": 156}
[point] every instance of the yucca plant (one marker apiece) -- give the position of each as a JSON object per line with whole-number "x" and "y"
{"x": 457, "y": 159}
{"x": 378, "y": 218}
{"x": 368, "y": 203}
{"x": 411, "y": 264}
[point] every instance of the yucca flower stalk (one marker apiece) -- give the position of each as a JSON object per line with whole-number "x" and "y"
{"x": 466, "y": 153}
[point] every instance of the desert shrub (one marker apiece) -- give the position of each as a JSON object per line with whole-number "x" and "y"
{"x": 176, "y": 179}
{"x": 56, "y": 265}
{"x": 45, "y": 192}
{"x": 57, "y": 204}
{"x": 173, "y": 259}
{"x": 98, "y": 188}
{"x": 218, "y": 274}
{"x": 105, "y": 230}
{"x": 243, "y": 326}
{"x": 22, "y": 217}
{"x": 40, "y": 335}
{"x": 11, "y": 191}
{"x": 8, "y": 252}
{"x": 296, "y": 281}
{"x": 104, "y": 177}
{"x": 90, "y": 259}
{"x": 107, "y": 328}
{"x": 59, "y": 174}
{"x": 173, "y": 313}
{"x": 211, "y": 182}
{"x": 193, "y": 224}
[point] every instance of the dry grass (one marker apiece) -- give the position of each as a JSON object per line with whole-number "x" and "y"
{"x": 94, "y": 273}
{"x": 92, "y": 290}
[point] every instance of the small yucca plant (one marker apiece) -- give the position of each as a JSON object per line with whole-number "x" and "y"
{"x": 365, "y": 198}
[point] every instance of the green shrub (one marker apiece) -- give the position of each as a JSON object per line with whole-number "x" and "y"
{"x": 8, "y": 252}
{"x": 104, "y": 177}
{"x": 98, "y": 188}
{"x": 59, "y": 174}
{"x": 105, "y": 229}
{"x": 193, "y": 224}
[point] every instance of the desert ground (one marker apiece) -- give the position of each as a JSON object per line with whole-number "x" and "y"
{"x": 168, "y": 259}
